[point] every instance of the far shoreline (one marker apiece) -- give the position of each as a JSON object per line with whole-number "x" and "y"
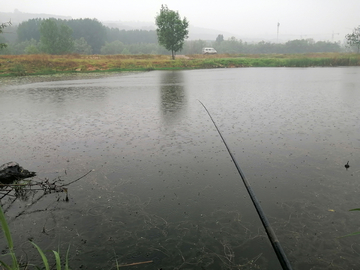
{"x": 73, "y": 65}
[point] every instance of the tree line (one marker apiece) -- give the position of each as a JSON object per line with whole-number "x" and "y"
{"x": 235, "y": 46}
{"x": 89, "y": 36}
{"x": 93, "y": 32}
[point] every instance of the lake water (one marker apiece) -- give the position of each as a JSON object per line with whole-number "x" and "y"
{"x": 163, "y": 190}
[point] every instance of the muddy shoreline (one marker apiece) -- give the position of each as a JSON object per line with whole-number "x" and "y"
{"x": 19, "y": 80}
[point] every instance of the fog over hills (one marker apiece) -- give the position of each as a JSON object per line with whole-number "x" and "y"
{"x": 195, "y": 33}
{"x": 17, "y": 16}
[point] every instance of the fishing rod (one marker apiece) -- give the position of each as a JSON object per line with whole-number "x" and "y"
{"x": 269, "y": 231}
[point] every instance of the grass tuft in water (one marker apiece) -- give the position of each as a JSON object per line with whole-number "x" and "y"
{"x": 5, "y": 227}
{"x": 15, "y": 265}
{"x": 354, "y": 233}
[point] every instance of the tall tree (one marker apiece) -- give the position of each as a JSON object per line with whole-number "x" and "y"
{"x": 115, "y": 47}
{"x": 220, "y": 38}
{"x": 54, "y": 39}
{"x": 353, "y": 39}
{"x": 93, "y": 31}
{"x": 171, "y": 31}
{"x": 131, "y": 36}
{"x": 29, "y": 29}
{"x": 81, "y": 46}
{"x": 2, "y": 26}
{"x": 194, "y": 46}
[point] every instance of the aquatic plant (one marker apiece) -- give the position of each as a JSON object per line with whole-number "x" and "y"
{"x": 5, "y": 227}
{"x": 354, "y": 233}
{"x": 15, "y": 264}
{"x": 20, "y": 190}
{"x": 57, "y": 258}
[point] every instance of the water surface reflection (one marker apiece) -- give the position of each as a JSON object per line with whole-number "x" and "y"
{"x": 163, "y": 186}
{"x": 172, "y": 96}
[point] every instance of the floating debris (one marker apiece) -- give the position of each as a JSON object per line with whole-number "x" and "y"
{"x": 347, "y": 166}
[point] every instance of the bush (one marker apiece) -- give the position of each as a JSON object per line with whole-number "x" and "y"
{"x": 18, "y": 70}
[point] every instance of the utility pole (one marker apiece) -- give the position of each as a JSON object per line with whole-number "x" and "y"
{"x": 278, "y": 26}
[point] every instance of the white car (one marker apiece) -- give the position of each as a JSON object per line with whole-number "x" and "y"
{"x": 209, "y": 51}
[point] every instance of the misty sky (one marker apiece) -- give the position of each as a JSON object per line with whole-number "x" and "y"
{"x": 255, "y": 18}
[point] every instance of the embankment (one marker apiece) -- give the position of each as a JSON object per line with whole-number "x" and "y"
{"x": 21, "y": 65}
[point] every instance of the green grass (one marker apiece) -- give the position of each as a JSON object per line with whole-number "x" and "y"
{"x": 5, "y": 227}
{"x": 354, "y": 233}
{"x": 57, "y": 258}
{"x": 15, "y": 264}
{"x": 42, "y": 64}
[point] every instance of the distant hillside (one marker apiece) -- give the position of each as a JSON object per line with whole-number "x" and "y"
{"x": 17, "y": 16}
{"x": 195, "y": 33}
{"x": 130, "y": 25}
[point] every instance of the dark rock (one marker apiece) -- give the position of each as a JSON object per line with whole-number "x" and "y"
{"x": 12, "y": 171}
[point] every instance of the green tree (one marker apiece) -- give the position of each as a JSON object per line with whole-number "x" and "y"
{"x": 29, "y": 29}
{"x": 115, "y": 47}
{"x": 54, "y": 39}
{"x": 82, "y": 47}
{"x": 131, "y": 36}
{"x": 93, "y": 31}
{"x": 25, "y": 47}
{"x": 171, "y": 31}
{"x": 232, "y": 45}
{"x": 32, "y": 49}
{"x": 194, "y": 46}
{"x": 353, "y": 39}
{"x": 2, "y": 26}
{"x": 219, "y": 38}
{"x": 2, "y": 42}
{"x": 125, "y": 51}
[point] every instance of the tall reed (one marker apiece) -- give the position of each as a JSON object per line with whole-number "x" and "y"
{"x": 5, "y": 227}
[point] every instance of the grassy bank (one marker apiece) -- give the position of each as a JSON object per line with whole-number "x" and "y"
{"x": 20, "y": 65}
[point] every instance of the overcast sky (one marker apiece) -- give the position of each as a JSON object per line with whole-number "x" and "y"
{"x": 300, "y": 18}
